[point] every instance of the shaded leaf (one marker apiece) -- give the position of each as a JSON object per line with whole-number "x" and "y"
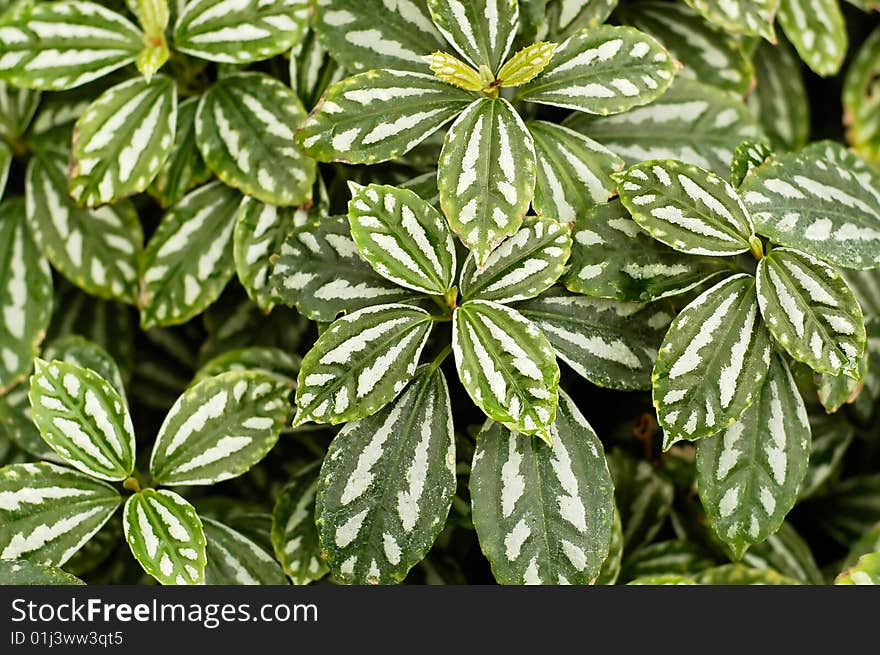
{"x": 233, "y": 559}
{"x": 861, "y": 103}
{"x": 294, "y": 534}
{"x": 748, "y": 155}
{"x": 779, "y": 101}
{"x": 183, "y": 168}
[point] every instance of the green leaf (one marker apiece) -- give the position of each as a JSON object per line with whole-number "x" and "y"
{"x": 220, "y": 427}
{"x": 644, "y": 497}
{"x": 184, "y": 168}
{"x": 817, "y": 29}
{"x": 861, "y": 103}
{"x": 96, "y": 249}
{"x": 60, "y": 45}
{"x": 787, "y": 553}
{"x": 605, "y": 70}
{"x": 387, "y": 483}
{"x": 48, "y": 512}
{"x": 543, "y": 514}
{"x": 239, "y": 32}
{"x": 22, "y": 572}
{"x": 378, "y": 115}
{"x": 864, "y": 572}
{"x": 507, "y": 366}
{"x": 244, "y": 130}
{"x": 294, "y": 534}
{"x": 749, "y": 17}
{"x": 176, "y": 284}
{"x": 360, "y": 363}
{"x": 848, "y": 509}
{"x": 611, "y": 344}
{"x": 565, "y": 17}
{"x": 526, "y": 64}
{"x": 811, "y": 312}
{"x": 686, "y": 207}
{"x": 611, "y": 566}
{"x": 481, "y": 30}
{"x": 738, "y": 574}
{"x": 832, "y": 436}
{"x": 748, "y": 155}
{"x": 712, "y": 362}
{"x": 486, "y": 175}
{"x": 233, "y": 559}
{"x": 25, "y": 295}
{"x": 166, "y": 536}
{"x": 403, "y": 238}
{"x": 667, "y": 558}
{"x": 573, "y": 174}
{"x": 17, "y": 108}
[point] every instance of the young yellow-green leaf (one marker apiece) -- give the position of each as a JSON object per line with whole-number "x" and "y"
{"x": 482, "y": 31}
{"x": 565, "y": 17}
{"x": 543, "y": 514}
{"x": 712, "y": 361}
{"x": 861, "y": 102}
{"x": 387, "y": 483}
{"x": 454, "y": 71}
{"x": 526, "y": 64}
{"x": 97, "y": 249}
{"x": 188, "y": 260}
{"x": 244, "y": 130}
{"x": 378, "y": 115}
{"x": 817, "y": 30}
{"x": 17, "y": 108}
{"x": 486, "y": 175}
{"x": 360, "y": 363}
{"x": 749, "y": 17}
{"x": 184, "y": 168}
{"x": 779, "y": 101}
{"x": 403, "y": 238}
{"x": 573, "y": 172}
{"x": 24, "y": 572}
{"x": 122, "y": 140}
{"x": 294, "y": 534}
{"x": 748, "y": 474}
{"x": 83, "y": 418}
{"x": 748, "y": 155}
{"x": 507, "y": 366}
{"x": 60, "y": 45}
{"x": 864, "y": 572}
{"x": 522, "y": 267}
{"x": 240, "y": 31}
{"x": 605, "y": 70}
{"x": 220, "y": 427}
{"x": 686, "y": 207}
{"x": 234, "y": 559}
{"x": 166, "y": 536}
{"x": 811, "y": 312}
{"x": 48, "y": 512}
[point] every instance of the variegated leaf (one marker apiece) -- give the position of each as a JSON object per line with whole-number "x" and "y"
{"x": 749, "y": 17}
{"x": 861, "y": 103}
{"x": 378, "y": 115}
{"x": 605, "y": 70}
{"x": 748, "y": 155}
{"x": 387, "y": 483}
{"x": 239, "y": 31}
{"x": 403, "y": 238}
{"x": 779, "y": 101}
{"x": 188, "y": 260}
{"x": 122, "y": 140}
{"x": 166, "y": 536}
{"x": 220, "y": 427}
{"x": 97, "y": 249}
{"x": 60, "y": 45}
{"x": 507, "y": 366}
{"x": 543, "y": 514}
{"x": 48, "y": 512}
{"x": 244, "y": 130}
{"x": 183, "y": 168}
{"x": 17, "y": 108}
{"x": 686, "y": 207}
{"x": 234, "y": 559}
{"x": 294, "y": 534}
{"x": 712, "y": 362}
{"x": 565, "y": 17}
{"x": 83, "y": 418}
{"x": 523, "y": 266}
{"x": 23, "y": 572}
{"x": 573, "y": 174}
{"x": 312, "y": 69}
{"x": 486, "y": 175}
{"x": 864, "y": 572}
{"x": 817, "y": 29}
{"x": 811, "y": 312}
{"x": 360, "y": 363}
{"x": 481, "y": 30}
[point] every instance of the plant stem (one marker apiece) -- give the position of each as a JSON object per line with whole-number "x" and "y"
{"x": 441, "y": 356}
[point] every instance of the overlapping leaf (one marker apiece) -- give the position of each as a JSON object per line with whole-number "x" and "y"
{"x": 233, "y": 559}
{"x": 779, "y": 101}
{"x": 861, "y": 103}
{"x": 748, "y": 155}
{"x": 294, "y": 534}
{"x": 481, "y": 30}
{"x": 183, "y": 168}
{"x": 817, "y": 29}
{"x": 750, "y": 17}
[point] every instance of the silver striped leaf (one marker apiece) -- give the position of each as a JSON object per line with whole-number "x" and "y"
{"x": 5, "y": 165}
{"x": 565, "y": 17}
{"x": 611, "y": 344}
{"x": 166, "y": 536}
{"x": 184, "y": 168}
{"x": 779, "y": 100}
{"x": 122, "y": 140}
{"x": 294, "y": 534}
{"x": 712, "y": 362}
{"x": 612, "y": 257}
{"x": 748, "y": 155}
{"x": 263, "y": 358}
{"x": 244, "y": 130}
{"x": 543, "y": 514}
{"x": 99, "y": 250}
{"x": 486, "y": 175}
{"x": 832, "y": 437}
{"x": 60, "y": 45}
{"x": 811, "y": 312}
{"x": 220, "y": 427}
{"x": 320, "y": 270}
{"x": 604, "y": 70}
{"x": 402, "y": 237}
{"x": 188, "y": 260}
{"x": 23, "y": 572}
{"x": 482, "y": 31}
{"x": 234, "y": 559}
{"x": 817, "y": 30}
{"x": 83, "y": 418}
{"x": 786, "y": 552}
{"x": 523, "y": 266}
{"x": 686, "y": 207}
{"x": 866, "y": 571}
{"x": 860, "y": 104}
{"x": 748, "y": 17}
{"x": 239, "y": 31}
{"x": 312, "y": 69}
{"x": 387, "y": 483}
{"x": 507, "y": 366}
{"x": 748, "y": 474}
{"x": 378, "y": 115}
{"x": 25, "y": 295}
{"x": 824, "y": 201}
{"x": 573, "y": 174}
{"x": 610, "y": 570}
{"x": 361, "y": 363}
{"x": 48, "y": 512}
{"x": 17, "y": 108}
